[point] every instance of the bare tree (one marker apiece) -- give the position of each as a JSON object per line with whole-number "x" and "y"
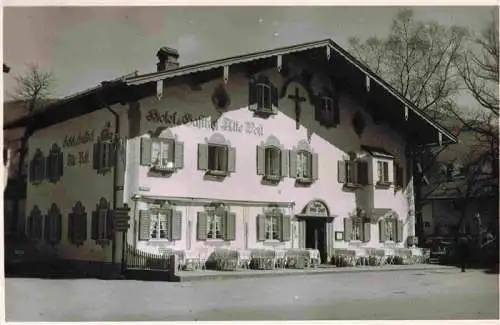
{"x": 34, "y": 89}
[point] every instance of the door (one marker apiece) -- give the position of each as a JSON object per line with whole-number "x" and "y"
{"x": 316, "y": 236}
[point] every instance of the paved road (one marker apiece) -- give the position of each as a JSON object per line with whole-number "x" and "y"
{"x": 440, "y": 294}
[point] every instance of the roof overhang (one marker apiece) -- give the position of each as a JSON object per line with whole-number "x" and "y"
{"x": 388, "y": 103}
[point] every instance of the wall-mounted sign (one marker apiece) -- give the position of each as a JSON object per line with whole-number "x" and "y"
{"x": 202, "y": 121}
{"x": 82, "y": 158}
{"x": 316, "y": 208}
{"x": 79, "y": 139}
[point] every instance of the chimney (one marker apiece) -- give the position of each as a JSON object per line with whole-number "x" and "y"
{"x": 167, "y": 59}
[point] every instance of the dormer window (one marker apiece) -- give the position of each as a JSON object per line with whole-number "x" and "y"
{"x": 164, "y": 155}
{"x": 263, "y": 96}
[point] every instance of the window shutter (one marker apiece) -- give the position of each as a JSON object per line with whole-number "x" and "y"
{"x": 39, "y": 224}
{"x": 341, "y": 176}
{"x": 202, "y": 226}
{"x": 46, "y": 228}
{"x": 293, "y": 163}
{"x": 202, "y": 156}
{"x": 382, "y": 234}
{"x": 48, "y": 168}
{"x": 231, "y": 159}
{"x": 366, "y": 232}
{"x": 336, "y": 110}
{"x": 347, "y": 229}
{"x": 390, "y": 175}
{"x": 284, "y": 162}
{"x": 261, "y": 160}
{"x": 363, "y": 172}
{"x": 82, "y": 227}
{"x": 252, "y": 92}
{"x": 144, "y": 225}
{"x": 60, "y": 164}
{"x": 176, "y": 225}
{"x": 179, "y": 155}
{"x": 355, "y": 171}
{"x": 146, "y": 151}
{"x": 399, "y": 231}
{"x": 112, "y": 154}
{"x": 59, "y": 227}
{"x": 32, "y": 170}
{"x": 261, "y": 227}
{"x": 230, "y": 226}
{"x": 285, "y": 228}
{"x": 314, "y": 166}
{"x": 274, "y": 98}
{"x": 95, "y": 225}
{"x": 109, "y": 224}
{"x": 95, "y": 156}
{"x": 317, "y": 110}
{"x": 71, "y": 227}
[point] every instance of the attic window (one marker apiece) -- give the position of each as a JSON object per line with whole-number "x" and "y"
{"x": 263, "y": 96}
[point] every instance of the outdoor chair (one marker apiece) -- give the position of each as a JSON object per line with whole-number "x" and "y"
{"x": 244, "y": 259}
{"x": 203, "y": 258}
{"x": 280, "y": 258}
{"x": 191, "y": 261}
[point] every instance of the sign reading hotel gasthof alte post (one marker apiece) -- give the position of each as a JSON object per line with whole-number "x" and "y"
{"x": 121, "y": 219}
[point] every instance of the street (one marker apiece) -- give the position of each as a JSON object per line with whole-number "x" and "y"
{"x": 432, "y": 294}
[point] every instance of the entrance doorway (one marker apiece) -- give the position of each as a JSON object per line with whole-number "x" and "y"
{"x": 316, "y": 236}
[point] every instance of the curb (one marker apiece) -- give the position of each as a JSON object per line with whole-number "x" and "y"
{"x": 232, "y": 276}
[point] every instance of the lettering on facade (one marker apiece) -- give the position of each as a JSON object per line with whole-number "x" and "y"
{"x": 316, "y": 208}
{"x": 82, "y": 158}
{"x": 76, "y": 140}
{"x": 205, "y": 122}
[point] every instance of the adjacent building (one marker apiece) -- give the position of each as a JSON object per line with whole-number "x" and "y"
{"x": 298, "y": 147}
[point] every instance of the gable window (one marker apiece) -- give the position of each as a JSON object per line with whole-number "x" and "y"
{"x": 52, "y": 226}
{"x": 303, "y": 164}
{"x": 35, "y": 224}
{"x": 217, "y": 158}
{"x": 216, "y": 222}
{"x": 263, "y": 96}
{"x": 37, "y": 167}
{"x": 102, "y": 227}
{"x": 162, "y": 154}
{"x": 390, "y": 230}
{"x": 273, "y": 225}
{"x": 356, "y": 229}
{"x": 160, "y": 223}
{"x": 55, "y": 164}
{"x": 77, "y": 225}
{"x": 327, "y": 110}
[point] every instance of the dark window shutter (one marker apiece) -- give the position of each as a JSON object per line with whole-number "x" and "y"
{"x": 32, "y": 170}
{"x": 46, "y": 228}
{"x": 389, "y": 177}
{"x": 146, "y": 151}
{"x": 61, "y": 164}
{"x": 82, "y": 227}
{"x": 95, "y": 226}
{"x": 252, "y": 92}
{"x": 355, "y": 171}
{"x": 231, "y": 159}
{"x": 341, "y": 176}
{"x": 230, "y": 226}
{"x": 95, "y": 155}
{"x": 284, "y": 162}
{"x": 318, "y": 104}
{"x": 202, "y": 156}
{"x": 39, "y": 222}
{"x": 179, "y": 155}
{"x": 314, "y": 166}
{"x": 286, "y": 228}
{"x": 71, "y": 227}
{"x": 59, "y": 227}
{"x": 274, "y": 97}
{"x": 202, "y": 226}
{"x": 363, "y": 172}
{"x": 366, "y": 232}
{"x": 399, "y": 230}
{"x": 176, "y": 225}
{"x": 293, "y": 163}
{"x": 109, "y": 224}
{"x": 382, "y": 234}
{"x": 261, "y": 162}
{"x": 347, "y": 229}
{"x": 336, "y": 110}
{"x": 112, "y": 154}
{"x": 144, "y": 225}
{"x": 261, "y": 227}
{"x": 49, "y": 172}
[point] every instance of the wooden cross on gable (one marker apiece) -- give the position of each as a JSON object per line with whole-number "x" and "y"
{"x": 297, "y": 99}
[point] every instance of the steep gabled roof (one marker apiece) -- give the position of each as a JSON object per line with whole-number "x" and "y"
{"x": 391, "y": 106}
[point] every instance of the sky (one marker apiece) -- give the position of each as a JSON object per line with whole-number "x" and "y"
{"x": 83, "y": 46}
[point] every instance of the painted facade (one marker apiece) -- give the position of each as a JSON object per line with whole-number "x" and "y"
{"x": 173, "y": 202}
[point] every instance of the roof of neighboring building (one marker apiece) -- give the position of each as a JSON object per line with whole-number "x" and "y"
{"x": 385, "y": 102}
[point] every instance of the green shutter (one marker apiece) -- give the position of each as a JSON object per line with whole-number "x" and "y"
{"x": 261, "y": 227}
{"x": 144, "y": 225}
{"x": 59, "y": 227}
{"x": 95, "y": 225}
{"x": 61, "y": 164}
{"x": 179, "y": 155}
{"x": 399, "y": 230}
{"x": 293, "y": 163}
{"x": 314, "y": 166}
{"x": 285, "y": 228}
{"x": 176, "y": 225}
{"x": 230, "y": 225}
{"x": 202, "y": 156}
{"x": 202, "y": 226}
{"x": 95, "y": 155}
{"x": 284, "y": 163}
{"x": 49, "y": 173}
{"x": 82, "y": 227}
{"x": 382, "y": 233}
{"x": 261, "y": 160}
{"x": 366, "y": 232}
{"x": 71, "y": 227}
{"x": 31, "y": 171}
{"x": 341, "y": 168}
{"x": 109, "y": 224}
{"x": 146, "y": 151}
{"x": 362, "y": 172}
{"x": 347, "y": 229}
{"x": 231, "y": 159}
{"x": 46, "y": 228}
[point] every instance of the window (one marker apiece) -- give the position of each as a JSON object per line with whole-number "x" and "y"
{"x": 217, "y": 158}
{"x": 35, "y": 224}
{"x": 103, "y": 155}
{"x": 102, "y": 229}
{"x": 77, "y": 225}
{"x": 383, "y": 172}
{"x": 55, "y": 164}
{"x": 390, "y": 230}
{"x": 37, "y": 167}
{"x": 353, "y": 172}
{"x": 327, "y": 109}
{"x": 356, "y": 229}
{"x": 399, "y": 175}
{"x": 263, "y": 96}
{"x": 273, "y": 162}
{"x": 273, "y": 227}
{"x": 304, "y": 165}
{"x": 53, "y": 225}
{"x": 216, "y": 222}
{"x": 162, "y": 154}
{"x": 160, "y": 224}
